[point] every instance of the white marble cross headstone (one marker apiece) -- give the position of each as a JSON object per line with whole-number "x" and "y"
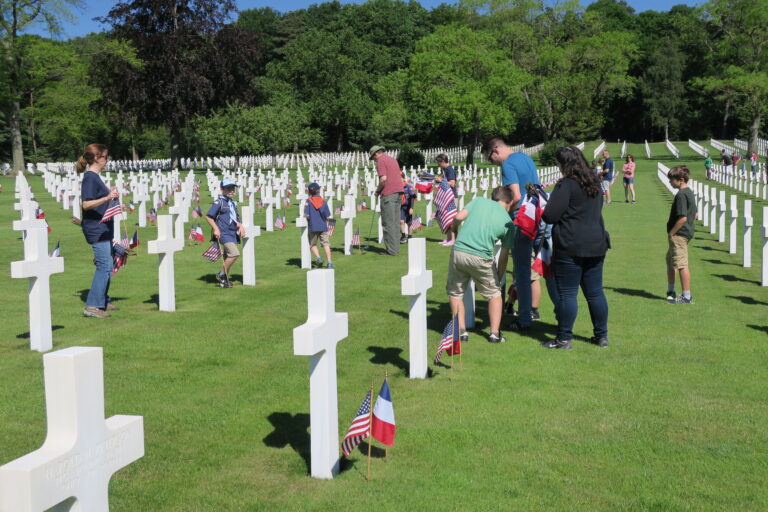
{"x": 415, "y": 284}
{"x": 165, "y": 245}
{"x": 38, "y": 267}
{"x": 249, "y": 253}
{"x": 747, "y": 237}
{"x": 348, "y": 214}
{"x": 306, "y": 255}
{"x": 317, "y": 338}
{"x": 82, "y": 450}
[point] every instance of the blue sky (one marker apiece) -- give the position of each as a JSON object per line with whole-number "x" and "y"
{"x": 94, "y": 8}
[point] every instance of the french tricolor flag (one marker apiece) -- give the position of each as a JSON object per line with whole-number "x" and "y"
{"x": 383, "y": 425}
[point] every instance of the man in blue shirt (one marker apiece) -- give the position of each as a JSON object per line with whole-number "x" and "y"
{"x": 227, "y": 229}
{"x": 517, "y": 171}
{"x": 607, "y": 176}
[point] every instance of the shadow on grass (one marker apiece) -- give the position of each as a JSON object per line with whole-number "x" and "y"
{"x": 634, "y": 293}
{"x": 25, "y": 335}
{"x": 763, "y": 328}
{"x": 153, "y": 299}
{"x": 734, "y": 279}
{"x": 208, "y": 278}
{"x": 719, "y": 262}
{"x": 388, "y": 355}
{"x": 293, "y": 262}
{"x": 84, "y": 296}
{"x": 290, "y": 430}
{"x": 707, "y": 248}
{"x": 750, "y": 301}
{"x": 376, "y": 452}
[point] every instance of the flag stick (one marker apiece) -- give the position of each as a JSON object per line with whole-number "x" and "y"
{"x": 461, "y": 362}
{"x": 370, "y": 230}
{"x": 370, "y": 437}
{"x": 451, "y": 366}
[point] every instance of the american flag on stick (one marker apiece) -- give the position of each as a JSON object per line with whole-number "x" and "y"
{"x": 152, "y": 216}
{"x": 280, "y": 222}
{"x": 331, "y": 226}
{"x": 450, "y": 341}
{"x": 415, "y": 223}
{"x": 113, "y": 210}
{"x": 446, "y": 206}
{"x": 213, "y": 253}
{"x": 356, "y": 238}
{"x": 360, "y": 428}
{"x": 197, "y": 212}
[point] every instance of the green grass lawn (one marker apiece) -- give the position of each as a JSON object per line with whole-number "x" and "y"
{"x": 671, "y": 416}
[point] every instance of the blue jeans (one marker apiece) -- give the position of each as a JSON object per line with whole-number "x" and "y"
{"x": 102, "y": 255}
{"x": 522, "y": 255}
{"x": 587, "y": 273}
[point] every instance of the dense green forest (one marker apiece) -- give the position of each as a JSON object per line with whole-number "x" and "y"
{"x": 196, "y": 77}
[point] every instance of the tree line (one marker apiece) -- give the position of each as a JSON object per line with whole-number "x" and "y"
{"x": 198, "y": 78}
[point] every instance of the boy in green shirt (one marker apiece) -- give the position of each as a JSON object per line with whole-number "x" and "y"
{"x": 485, "y": 221}
{"x": 680, "y": 229}
{"x": 708, "y": 166}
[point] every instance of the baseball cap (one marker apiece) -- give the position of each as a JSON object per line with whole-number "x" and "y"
{"x": 228, "y": 182}
{"x": 313, "y": 187}
{"x": 374, "y": 150}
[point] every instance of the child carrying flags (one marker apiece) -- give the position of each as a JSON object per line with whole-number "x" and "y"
{"x": 317, "y": 212}
{"x": 227, "y": 229}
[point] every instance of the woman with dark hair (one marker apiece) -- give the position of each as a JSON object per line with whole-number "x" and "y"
{"x": 580, "y": 242}
{"x": 95, "y": 201}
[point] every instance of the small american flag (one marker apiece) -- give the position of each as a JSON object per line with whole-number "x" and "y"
{"x": 119, "y": 257}
{"x": 415, "y": 223}
{"x": 331, "y": 226}
{"x": 197, "y": 212}
{"x": 152, "y": 216}
{"x": 450, "y": 340}
{"x": 360, "y": 428}
{"x": 213, "y": 253}
{"x": 446, "y": 206}
{"x": 113, "y": 210}
{"x": 280, "y": 222}
{"x": 337, "y": 211}
{"x": 125, "y": 243}
{"x": 356, "y": 238}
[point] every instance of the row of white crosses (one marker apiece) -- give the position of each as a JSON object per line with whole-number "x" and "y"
{"x": 324, "y": 328}
{"x": 672, "y": 148}
{"x": 752, "y": 185}
{"x": 698, "y": 148}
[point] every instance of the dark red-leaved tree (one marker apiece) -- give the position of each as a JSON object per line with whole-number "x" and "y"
{"x": 191, "y": 62}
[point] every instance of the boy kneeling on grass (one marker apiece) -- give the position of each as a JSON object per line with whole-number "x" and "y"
{"x": 485, "y": 221}
{"x": 317, "y": 211}
{"x": 680, "y": 229}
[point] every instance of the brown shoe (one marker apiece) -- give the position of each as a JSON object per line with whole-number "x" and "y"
{"x": 110, "y": 307}
{"x": 92, "y": 312}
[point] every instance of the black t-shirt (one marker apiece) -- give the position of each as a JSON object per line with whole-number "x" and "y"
{"x": 727, "y": 160}
{"x": 94, "y": 230}
{"x": 684, "y": 205}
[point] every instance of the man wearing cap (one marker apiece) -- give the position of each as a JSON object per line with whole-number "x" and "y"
{"x": 227, "y": 229}
{"x": 390, "y": 189}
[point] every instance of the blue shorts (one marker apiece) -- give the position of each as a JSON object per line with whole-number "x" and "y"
{"x": 629, "y": 181}
{"x": 404, "y": 215}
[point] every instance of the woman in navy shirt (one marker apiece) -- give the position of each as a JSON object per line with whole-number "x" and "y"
{"x": 95, "y": 201}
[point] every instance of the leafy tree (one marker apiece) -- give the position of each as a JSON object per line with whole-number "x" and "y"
{"x": 740, "y": 40}
{"x": 189, "y": 64}
{"x": 663, "y": 87}
{"x": 459, "y": 78}
{"x": 17, "y": 16}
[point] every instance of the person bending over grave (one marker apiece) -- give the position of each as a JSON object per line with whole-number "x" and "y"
{"x": 579, "y": 244}
{"x": 96, "y": 199}
{"x": 317, "y": 212}
{"x": 390, "y": 189}
{"x": 227, "y": 229}
{"x": 484, "y": 222}
{"x": 680, "y": 229}
{"x": 406, "y": 209}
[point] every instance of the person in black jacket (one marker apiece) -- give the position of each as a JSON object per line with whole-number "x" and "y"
{"x": 579, "y": 243}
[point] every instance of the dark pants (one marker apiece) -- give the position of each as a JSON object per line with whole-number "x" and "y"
{"x": 587, "y": 273}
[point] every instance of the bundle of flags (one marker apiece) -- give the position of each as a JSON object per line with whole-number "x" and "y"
{"x": 197, "y": 212}
{"x": 113, "y": 210}
{"x": 416, "y": 223}
{"x": 331, "y": 226}
{"x": 446, "y": 206}
{"x": 425, "y": 182}
{"x": 356, "y": 238}
{"x": 196, "y": 234}
{"x": 280, "y": 222}
{"x": 450, "y": 343}
{"x": 152, "y": 216}
{"x": 119, "y": 256}
{"x": 213, "y": 253}
{"x": 528, "y": 218}
{"x": 379, "y": 424}
{"x": 542, "y": 262}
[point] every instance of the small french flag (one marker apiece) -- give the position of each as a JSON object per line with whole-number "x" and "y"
{"x": 383, "y": 425}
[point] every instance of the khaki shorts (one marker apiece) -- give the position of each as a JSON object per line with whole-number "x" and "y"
{"x": 463, "y": 266}
{"x": 230, "y": 250}
{"x": 677, "y": 255}
{"x": 322, "y": 235}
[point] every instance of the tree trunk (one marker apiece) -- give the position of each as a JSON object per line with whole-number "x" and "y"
{"x": 32, "y": 130}
{"x": 754, "y": 132}
{"x": 666, "y": 131}
{"x": 726, "y": 115}
{"x": 175, "y": 137}
{"x": 340, "y": 139}
{"x": 17, "y": 148}
{"x": 134, "y": 153}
